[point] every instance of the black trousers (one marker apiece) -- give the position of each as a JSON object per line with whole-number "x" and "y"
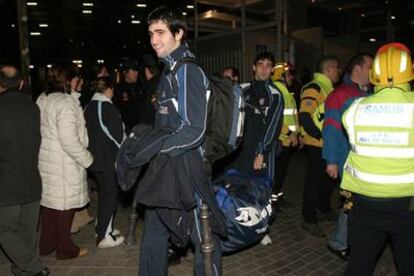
{"x": 370, "y": 223}
{"x": 281, "y": 166}
{"x": 107, "y": 200}
{"x": 318, "y": 188}
{"x": 154, "y": 247}
{"x": 18, "y": 236}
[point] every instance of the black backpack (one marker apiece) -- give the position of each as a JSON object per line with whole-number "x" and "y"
{"x": 225, "y": 114}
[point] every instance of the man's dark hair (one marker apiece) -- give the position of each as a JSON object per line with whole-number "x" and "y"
{"x": 265, "y": 55}
{"x": 60, "y": 76}
{"x": 8, "y": 81}
{"x": 323, "y": 61}
{"x": 359, "y": 59}
{"x": 172, "y": 17}
{"x": 234, "y": 71}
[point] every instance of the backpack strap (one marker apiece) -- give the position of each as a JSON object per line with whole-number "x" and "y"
{"x": 174, "y": 70}
{"x": 103, "y": 127}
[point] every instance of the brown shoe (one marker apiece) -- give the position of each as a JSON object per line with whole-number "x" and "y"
{"x": 62, "y": 256}
{"x": 83, "y": 252}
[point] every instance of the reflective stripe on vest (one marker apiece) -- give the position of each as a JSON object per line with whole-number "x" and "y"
{"x": 383, "y": 152}
{"x": 379, "y": 178}
{"x": 393, "y": 142}
{"x": 289, "y": 111}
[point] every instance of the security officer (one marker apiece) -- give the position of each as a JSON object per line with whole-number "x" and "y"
{"x": 317, "y": 190}
{"x": 379, "y": 169}
{"x": 282, "y": 78}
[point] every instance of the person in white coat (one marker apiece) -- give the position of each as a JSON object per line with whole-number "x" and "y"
{"x": 63, "y": 160}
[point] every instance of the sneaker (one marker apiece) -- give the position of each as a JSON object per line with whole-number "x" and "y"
{"x": 174, "y": 257}
{"x": 313, "y": 229}
{"x": 111, "y": 241}
{"x": 115, "y": 232}
{"x": 266, "y": 240}
{"x": 44, "y": 272}
{"x": 343, "y": 254}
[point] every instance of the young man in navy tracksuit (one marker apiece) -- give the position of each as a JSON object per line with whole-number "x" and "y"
{"x": 183, "y": 113}
{"x": 264, "y": 119}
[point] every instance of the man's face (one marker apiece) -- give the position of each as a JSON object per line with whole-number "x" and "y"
{"x": 228, "y": 74}
{"x": 262, "y": 69}
{"x": 363, "y": 71}
{"x": 162, "y": 40}
{"x": 333, "y": 71}
{"x": 289, "y": 78}
{"x": 131, "y": 76}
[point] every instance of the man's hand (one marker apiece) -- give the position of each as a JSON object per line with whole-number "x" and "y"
{"x": 301, "y": 143}
{"x": 293, "y": 139}
{"x": 258, "y": 162}
{"x": 332, "y": 170}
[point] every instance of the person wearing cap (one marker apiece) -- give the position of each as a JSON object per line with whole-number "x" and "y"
{"x": 20, "y": 183}
{"x": 379, "y": 170}
{"x": 128, "y": 94}
{"x": 148, "y": 104}
{"x": 282, "y": 78}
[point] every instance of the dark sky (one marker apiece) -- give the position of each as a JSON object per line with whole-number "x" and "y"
{"x": 71, "y": 34}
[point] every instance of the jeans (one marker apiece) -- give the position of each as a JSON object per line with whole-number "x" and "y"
{"x": 339, "y": 238}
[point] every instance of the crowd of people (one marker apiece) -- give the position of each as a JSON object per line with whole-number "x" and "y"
{"x": 357, "y": 129}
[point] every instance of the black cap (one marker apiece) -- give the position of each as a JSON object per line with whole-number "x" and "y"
{"x": 129, "y": 64}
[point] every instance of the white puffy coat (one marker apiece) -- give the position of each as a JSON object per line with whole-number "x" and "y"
{"x": 63, "y": 156}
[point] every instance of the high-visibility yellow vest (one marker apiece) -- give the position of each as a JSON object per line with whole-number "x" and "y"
{"x": 381, "y": 134}
{"x": 326, "y": 87}
{"x": 290, "y": 114}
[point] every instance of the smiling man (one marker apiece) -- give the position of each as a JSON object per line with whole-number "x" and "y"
{"x": 176, "y": 189}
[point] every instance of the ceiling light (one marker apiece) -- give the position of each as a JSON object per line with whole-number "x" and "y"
{"x": 132, "y": 16}
{"x": 87, "y": 4}
{"x": 43, "y": 25}
{"x": 392, "y": 17}
{"x": 119, "y": 21}
{"x": 32, "y": 3}
{"x": 49, "y": 66}
{"x": 372, "y": 40}
{"x": 100, "y": 61}
{"x": 77, "y": 61}
{"x": 135, "y": 21}
{"x": 141, "y": 5}
{"x": 31, "y": 66}
{"x": 86, "y": 11}
{"x": 79, "y": 65}
{"x": 190, "y": 7}
{"x": 35, "y": 33}
{"x": 13, "y": 26}
{"x": 184, "y": 13}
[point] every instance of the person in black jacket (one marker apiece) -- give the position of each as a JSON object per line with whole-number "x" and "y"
{"x": 20, "y": 183}
{"x": 105, "y": 132}
{"x": 128, "y": 95}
